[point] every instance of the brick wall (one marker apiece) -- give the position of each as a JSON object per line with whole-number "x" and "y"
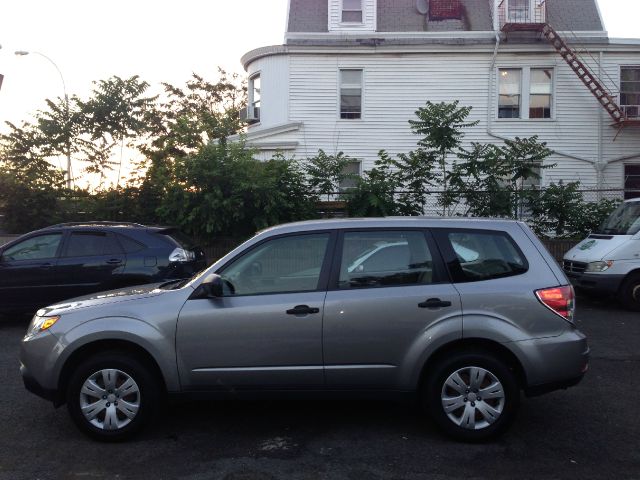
{"x": 445, "y": 9}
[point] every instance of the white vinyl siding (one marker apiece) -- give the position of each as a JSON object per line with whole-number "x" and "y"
{"x": 398, "y": 84}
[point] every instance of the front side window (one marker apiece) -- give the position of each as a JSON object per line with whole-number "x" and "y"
{"x": 540, "y": 92}
{"x": 630, "y": 91}
{"x": 486, "y": 255}
{"x": 352, "y": 11}
{"x": 91, "y": 245}
{"x": 34, "y": 248}
{"x": 379, "y": 259}
{"x": 254, "y": 97}
{"x": 350, "y": 94}
{"x": 282, "y": 265}
{"x": 510, "y": 93}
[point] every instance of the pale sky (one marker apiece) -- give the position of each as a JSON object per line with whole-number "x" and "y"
{"x": 160, "y": 40}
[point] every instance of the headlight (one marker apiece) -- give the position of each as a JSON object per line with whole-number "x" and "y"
{"x": 599, "y": 266}
{"x": 40, "y": 324}
{"x": 181, "y": 255}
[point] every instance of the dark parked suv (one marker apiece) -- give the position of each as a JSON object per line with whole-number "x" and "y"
{"x": 72, "y": 259}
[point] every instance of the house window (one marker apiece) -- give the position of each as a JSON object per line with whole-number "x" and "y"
{"x": 254, "y": 97}
{"x": 630, "y": 91}
{"x": 519, "y": 11}
{"x": 537, "y": 101}
{"x": 352, "y": 11}
{"x": 540, "y": 92}
{"x": 350, "y": 94}
{"x": 632, "y": 181}
{"x": 510, "y": 93}
{"x": 351, "y": 173}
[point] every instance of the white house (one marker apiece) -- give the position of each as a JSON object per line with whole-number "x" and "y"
{"x": 353, "y": 72}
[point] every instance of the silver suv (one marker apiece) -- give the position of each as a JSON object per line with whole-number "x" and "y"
{"x": 463, "y": 313}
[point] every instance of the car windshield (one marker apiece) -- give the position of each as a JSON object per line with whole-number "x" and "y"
{"x": 625, "y": 220}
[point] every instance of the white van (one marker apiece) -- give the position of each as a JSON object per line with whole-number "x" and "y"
{"x": 608, "y": 260}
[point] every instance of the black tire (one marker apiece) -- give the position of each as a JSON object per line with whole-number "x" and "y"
{"x": 434, "y": 384}
{"x": 147, "y": 398}
{"x": 630, "y": 292}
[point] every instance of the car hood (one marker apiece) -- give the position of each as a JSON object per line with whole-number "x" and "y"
{"x": 594, "y": 249}
{"x": 104, "y": 298}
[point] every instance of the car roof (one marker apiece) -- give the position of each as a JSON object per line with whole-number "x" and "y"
{"x": 391, "y": 222}
{"x": 108, "y": 225}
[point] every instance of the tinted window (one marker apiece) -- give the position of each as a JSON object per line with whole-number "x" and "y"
{"x": 287, "y": 264}
{"x": 487, "y": 255}
{"x": 372, "y": 259}
{"x": 130, "y": 245}
{"x": 87, "y": 244}
{"x": 35, "y": 248}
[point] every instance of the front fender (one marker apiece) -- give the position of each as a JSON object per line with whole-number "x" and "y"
{"x": 158, "y": 344}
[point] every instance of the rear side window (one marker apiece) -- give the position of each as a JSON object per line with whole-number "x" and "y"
{"x": 130, "y": 245}
{"x": 89, "y": 244}
{"x": 385, "y": 258}
{"x": 485, "y": 255}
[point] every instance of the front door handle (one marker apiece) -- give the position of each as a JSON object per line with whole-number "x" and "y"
{"x": 302, "y": 310}
{"x": 434, "y": 303}
{"x": 114, "y": 261}
{"x": 45, "y": 266}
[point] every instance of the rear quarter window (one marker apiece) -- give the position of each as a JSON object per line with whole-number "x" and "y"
{"x": 483, "y": 255}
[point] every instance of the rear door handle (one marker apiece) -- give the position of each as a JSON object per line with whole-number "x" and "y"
{"x": 45, "y": 266}
{"x": 434, "y": 303}
{"x": 302, "y": 310}
{"x": 114, "y": 261}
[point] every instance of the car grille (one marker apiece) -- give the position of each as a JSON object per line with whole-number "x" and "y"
{"x": 574, "y": 267}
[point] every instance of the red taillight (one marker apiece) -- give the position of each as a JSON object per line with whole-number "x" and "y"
{"x": 559, "y": 299}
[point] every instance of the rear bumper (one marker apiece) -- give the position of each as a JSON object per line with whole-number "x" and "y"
{"x": 553, "y": 363}
{"x": 596, "y": 283}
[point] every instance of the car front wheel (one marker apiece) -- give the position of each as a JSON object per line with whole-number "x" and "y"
{"x": 471, "y": 396}
{"x": 111, "y": 395}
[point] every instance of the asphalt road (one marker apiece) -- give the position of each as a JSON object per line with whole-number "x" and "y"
{"x": 589, "y": 431}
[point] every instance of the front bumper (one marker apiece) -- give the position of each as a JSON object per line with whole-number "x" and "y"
{"x": 596, "y": 283}
{"x": 32, "y": 385}
{"x": 38, "y": 357}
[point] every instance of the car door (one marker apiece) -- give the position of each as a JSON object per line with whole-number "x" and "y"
{"x": 28, "y": 274}
{"x": 266, "y": 332}
{"x": 387, "y": 296}
{"x": 90, "y": 262}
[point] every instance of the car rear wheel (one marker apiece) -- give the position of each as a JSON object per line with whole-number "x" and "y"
{"x": 471, "y": 396}
{"x": 111, "y": 395}
{"x": 630, "y": 292}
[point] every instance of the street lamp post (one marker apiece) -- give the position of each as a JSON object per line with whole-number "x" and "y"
{"x": 21, "y": 53}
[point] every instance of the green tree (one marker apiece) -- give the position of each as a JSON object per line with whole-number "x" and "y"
{"x": 442, "y": 127}
{"x": 325, "y": 173}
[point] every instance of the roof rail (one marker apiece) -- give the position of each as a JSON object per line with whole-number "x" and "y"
{"x": 91, "y": 223}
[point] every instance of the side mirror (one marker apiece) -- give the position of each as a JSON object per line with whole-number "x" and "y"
{"x": 212, "y": 286}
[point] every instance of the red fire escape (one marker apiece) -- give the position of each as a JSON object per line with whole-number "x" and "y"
{"x": 530, "y": 16}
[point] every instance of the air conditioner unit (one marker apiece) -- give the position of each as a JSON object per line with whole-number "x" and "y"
{"x": 250, "y": 115}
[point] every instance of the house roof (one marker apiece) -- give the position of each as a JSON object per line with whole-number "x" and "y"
{"x": 311, "y": 16}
